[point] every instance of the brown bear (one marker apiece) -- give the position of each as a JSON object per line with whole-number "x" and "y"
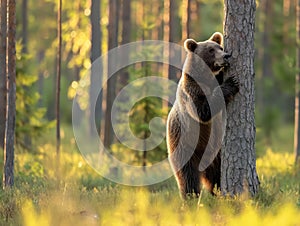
{"x": 195, "y": 122}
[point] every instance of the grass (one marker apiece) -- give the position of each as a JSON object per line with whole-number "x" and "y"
{"x": 78, "y": 196}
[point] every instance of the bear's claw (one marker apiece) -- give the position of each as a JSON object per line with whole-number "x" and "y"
{"x": 233, "y": 83}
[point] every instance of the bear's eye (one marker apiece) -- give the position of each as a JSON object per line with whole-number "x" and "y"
{"x": 211, "y": 50}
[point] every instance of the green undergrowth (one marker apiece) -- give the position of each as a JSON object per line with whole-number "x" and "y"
{"x": 71, "y": 193}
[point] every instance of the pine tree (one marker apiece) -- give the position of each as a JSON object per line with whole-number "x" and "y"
{"x": 238, "y": 167}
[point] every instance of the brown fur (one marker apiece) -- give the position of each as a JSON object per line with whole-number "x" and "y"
{"x": 196, "y": 116}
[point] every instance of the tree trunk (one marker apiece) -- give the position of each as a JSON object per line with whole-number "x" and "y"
{"x": 238, "y": 167}
{"x": 58, "y": 76}
{"x": 166, "y": 51}
{"x": 40, "y": 84}
{"x": 8, "y": 175}
{"x": 95, "y": 53}
{"x": 286, "y": 21}
{"x": 267, "y": 6}
{"x": 24, "y": 26}
{"x": 111, "y": 82}
{"x": 155, "y": 10}
{"x": 186, "y": 19}
{"x": 27, "y": 138}
{"x": 126, "y": 34}
{"x": 264, "y": 90}
{"x": 3, "y": 25}
{"x": 174, "y": 36}
{"x": 297, "y": 98}
{"x": 185, "y": 34}
{"x": 286, "y": 7}
{"x": 126, "y": 21}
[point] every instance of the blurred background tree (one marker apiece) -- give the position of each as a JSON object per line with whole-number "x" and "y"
{"x": 3, "y": 25}
{"x": 297, "y": 84}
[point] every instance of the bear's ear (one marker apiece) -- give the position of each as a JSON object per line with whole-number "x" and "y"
{"x": 190, "y": 45}
{"x": 217, "y": 37}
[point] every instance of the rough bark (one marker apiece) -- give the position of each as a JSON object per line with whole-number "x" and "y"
{"x": 8, "y": 174}
{"x": 95, "y": 53}
{"x": 111, "y": 82}
{"x": 238, "y": 167}
{"x": 3, "y": 25}
{"x": 297, "y": 97}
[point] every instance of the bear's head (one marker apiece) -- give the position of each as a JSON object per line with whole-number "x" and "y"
{"x": 210, "y": 51}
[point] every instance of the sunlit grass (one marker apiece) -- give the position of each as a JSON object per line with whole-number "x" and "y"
{"x": 73, "y": 194}
{"x": 141, "y": 207}
{"x": 275, "y": 163}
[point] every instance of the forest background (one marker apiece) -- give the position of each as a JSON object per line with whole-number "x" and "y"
{"x": 80, "y": 193}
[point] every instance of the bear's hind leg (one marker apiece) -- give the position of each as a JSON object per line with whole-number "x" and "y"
{"x": 211, "y": 177}
{"x": 188, "y": 180}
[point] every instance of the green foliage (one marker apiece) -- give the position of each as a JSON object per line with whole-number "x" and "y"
{"x": 275, "y": 47}
{"x": 212, "y": 10}
{"x": 30, "y": 119}
{"x": 142, "y": 113}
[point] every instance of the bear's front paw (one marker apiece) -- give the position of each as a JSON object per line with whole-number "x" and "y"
{"x": 232, "y": 84}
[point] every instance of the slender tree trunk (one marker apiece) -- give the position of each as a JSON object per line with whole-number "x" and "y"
{"x": 146, "y": 135}
{"x": 198, "y": 10}
{"x": 266, "y": 93}
{"x": 186, "y": 19}
{"x": 297, "y": 98}
{"x": 155, "y": 10}
{"x": 40, "y": 56}
{"x": 174, "y": 36}
{"x": 286, "y": 7}
{"x": 267, "y": 6}
{"x": 167, "y": 22}
{"x": 238, "y": 167}
{"x": 95, "y": 54}
{"x": 126, "y": 34}
{"x": 111, "y": 83}
{"x": 123, "y": 75}
{"x": 286, "y": 21}
{"x": 8, "y": 175}
{"x": 3, "y": 78}
{"x": 24, "y": 25}
{"x": 195, "y": 20}
{"x": 27, "y": 138}
{"x": 166, "y": 53}
{"x": 185, "y": 34}
{"x": 58, "y": 76}
{"x": 171, "y": 34}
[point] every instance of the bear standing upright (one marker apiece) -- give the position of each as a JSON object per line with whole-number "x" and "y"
{"x": 191, "y": 130}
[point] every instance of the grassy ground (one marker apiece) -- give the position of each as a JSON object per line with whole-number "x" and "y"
{"x": 79, "y": 196}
